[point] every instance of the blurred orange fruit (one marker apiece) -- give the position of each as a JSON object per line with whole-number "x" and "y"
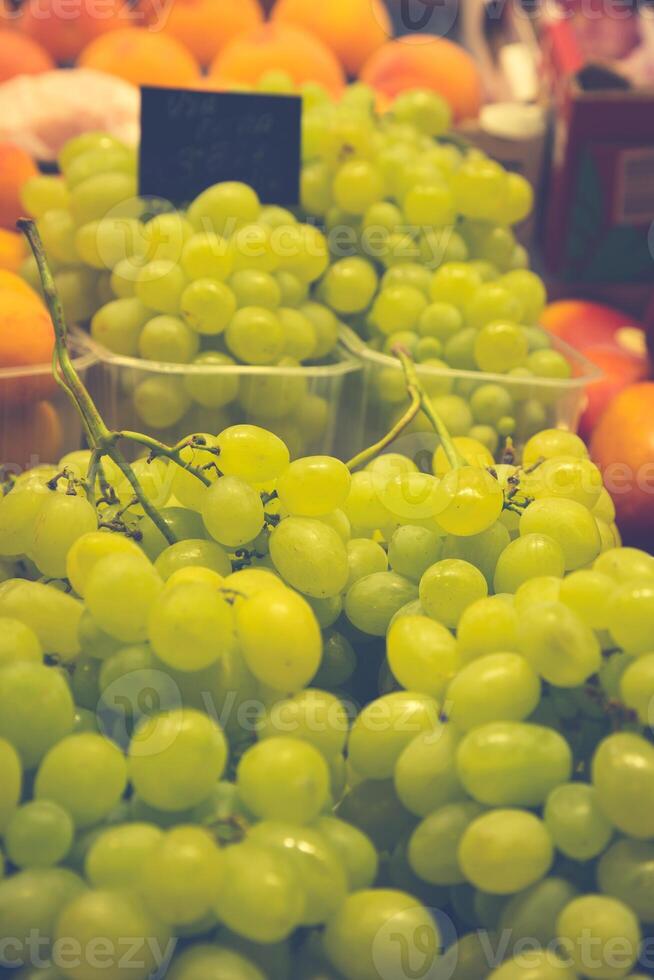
{"x": 16, "y": 166}
{"x": 279, "y": 47}
{"x": 29, "y": 435}
{"x": 64, "y": 29}
{"x": 353, "y": 29}
{"x": 21, "y": 56}
{"x": 12, "y": 251}
{"x": 428, "y": 62}
{"x": 26, "y": 333}
{"x": 141, "y": 57}
{"x": 205, "y": 26}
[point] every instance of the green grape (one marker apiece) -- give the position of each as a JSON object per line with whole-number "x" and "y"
{"x": 429, "y": 204}
{"x": 576, "y": 824}
{"x": 355, "y": 850}
{"x": 293, "y": 292}
{"x": 519, "y": 198}
{"x": 422, "y": 654}
{"x": 482, "y": 550}
{"x": 366, "y": 937}
{"x": 42, "y": 193}
{"x": 252, "y": 453}
{"x": 469, "y": 500}
{"x": 621, "y": 564}
{"x": 11, "y": 775}
{"x": 385, "y": 727}
{"x": 626, "y": 872}
{"x": 232, "y": 511}
{"x": 312, "y": 716}
{"x": 316, "y": 188}
{"x": 491, "y": 243}
{"x": 103, "y": 244}
{"x": 454, "y": 283}
{"x": 357, "y": 184}
{"x": 449, "y": 587}
{"x": 459, "y": 350}
{"x": 426, "y": 776}
{"x": 85, "y": 774}
{"x": 122, "y": 920}
{"x": 373, "y": 600}
{"x": 480, "y": 186}
{"x": 207, "y": 306}
{"x": 164, "y": 236}
{"x": 115, "y": 858}
{"x": 168, "y": 339}
{"x": 265, "y": 900}
{"x": 317, "y": 863}
{"x": 160, "y": 401}
{"x": 53, "y": 615}
{"x": 190, "y": 626}
{"x": 407, "y": 273}
{"x": 160, "y": 286}
{"x": 535, "y": 591}
{"x": 212, "y": 384}
{"x": 637, "y": 688}
{"x": 425, "y": 110}
{"x": 99, "y": 160}
{"x": 36, "y": 710}
{"x": 61, "y": 520}
{"x": 193, "y": 553}
{"x": 84, "y": 683}
{"x": 511, "y": 763}
{"x": 175, "y": 758}
{"x": 207, "y": 255}
{"x": 122, "y": 280}
{"x": 301, "y": 338}
{"x": 18, "y": 642}
{"x": 623, "y": 777}
{"x": 303, "y": 251}
{"x": 38, "y": 835}
{"x": 558, "y": 644}
{"x": 398, "y": 308}
{"x": 409, "y": 496}
{"x": 588, "y": 593}
{"x": 314, "y": 486}
{"x": 310, "y": 556}
{"x": 19, "y": 510}
{"x": 532, "y": 914}
{"x": 212, "y": 962}
{"x": 492, "y": 302}
{"x": 505, "y": 851}
{"x": 118, "y": 325}
{"x": 350, "y": 285}
{"x": 567, "y": 522}
{"x": 120, "y": 592}
{"x": 57, "y": 231}
{"x": 279, "y": 638}
{"x": 489, "y": 403}
{"x": 96, "y": 196}
{"x": 289, "y": 762}
{"x": 549, "y": 364}
{"x": 254, "y": 247}
{"x": 338, "y": 659}
{"x": 30, "y": 905}
{"x": 434, "y": 843}
{"x": 91, "y": 548}
{"x": 487, "y": 626}
{"x": 496, "y": 687}
{"x": 566, "y": 476}
{"x": 553, "y": 442}
{"x": 427, "y": 349}
{"x": 537, "y": 339}
{"x": 631, "y": 616}
{"x": 365, "y": 557}
{"x": 500, "y": 346}
{"x": 255, "y": 335}
{"x": 605, "y": 926}
{"x": 530, "y": 556}
{"x": 181, "y": 876}
{"x": 412, "y": 550}
{"x": 537, "y": 964}
{"x": 224, "y": 207}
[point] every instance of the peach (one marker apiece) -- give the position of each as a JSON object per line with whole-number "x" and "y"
{"x": 279, "y": 47}
{"x": 428, "y": 62}
{"x": 29, "y": 435}
{"x": 16, "y": 166}
{"x": 205, "y": 27}
{"x": 21, "y": 56}
{"x": 353, "y": 29}
{"x": 141, "y": 57}
{"x": 64, "y": 30}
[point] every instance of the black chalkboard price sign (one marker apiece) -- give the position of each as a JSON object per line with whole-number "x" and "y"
{"x": 191, "y": 140}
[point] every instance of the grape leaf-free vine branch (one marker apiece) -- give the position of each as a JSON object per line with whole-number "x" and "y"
{"x": 102, "y": 441}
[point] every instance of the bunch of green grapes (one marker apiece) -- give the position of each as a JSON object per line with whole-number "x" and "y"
{"x": 344, "y": 719}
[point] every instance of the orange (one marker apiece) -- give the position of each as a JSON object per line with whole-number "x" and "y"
{"x": 29, "y": 435}
{"x": 205, "y": 26}
{"x": 353, "y": 29}
{"x": 428, "y": 62}
{"x": 279, "y": 47}
{"x": 10, "y": 282}
{"x": 141, "y": 57}
{"x": 26, "y": 332}
{"x": 623, "y": 447}
{"x": 64, "y": 29}
{"x": 21, "y": 56}
{"x": 12, "y": 251}
{"x": 16, "y": 166}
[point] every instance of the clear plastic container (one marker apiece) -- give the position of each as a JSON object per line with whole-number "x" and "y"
{"x": 38, "y": 422}
{"x": 531, "y": 403}
{"x": 314, "y": 408}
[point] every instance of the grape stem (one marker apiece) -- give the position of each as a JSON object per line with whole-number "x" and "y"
{"x": 414, "y": 384}
{"x": 367, "y": 454}
{"x": 101, "y": 440}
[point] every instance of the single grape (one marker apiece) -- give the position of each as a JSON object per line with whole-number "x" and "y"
{"x": 224, "y": 207}
{"x": 434, "y": 843}
{"x": 373, "y": 600}
{"x": 623, "y": 777}
{"x": 53, "y": 615}
{"x": 160, "y": 401}
{"x": 530, "y": 556}
{"x": 350, "y": 285}
{"x": 38, "y": 835}
{"x": 18, "y": 642}
{"x": 631, "y": 616}
{"x": 537, "y": 964}
{"x": 207, "y": 255}
{"x": 36, "y": 710}
{"x": 207, "y": 306}
{"x": 310, "y": 556}
{"x": 181, "y": 876}
{"x": 558, "y": 644}
{"x": 624, "y": 564}
{"x": 209, "y": 960}
{"x": 497, "y": 687}
{"x": 30, "y": 905}
{"x": 255, "y": 335}
{"x": 91, "y": 548}
{"x": 85, "y": 774}
{"x": 385, "y": 727}
{"x": 602, "y": 924}
{"x": 357, "y": 184}
{"x": 468, "y": 501}
{"x": 588, "y": 594}
{"x": 575, "y": 821}
{"x": 553, "y": 442}
{"x": 449, "y": 587}
{"x": 115, "y": 858}
{"x": 626, "y": 872}
{"x": 120, "y": 592}
{"x": 422, "y": 654}
{"x": 117, "y": 325}
{"x": 487, "y": 626}
{"x": 426, "y": 775}
{"x": 189, "y": 626}
{"x": 505, "y": 851}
